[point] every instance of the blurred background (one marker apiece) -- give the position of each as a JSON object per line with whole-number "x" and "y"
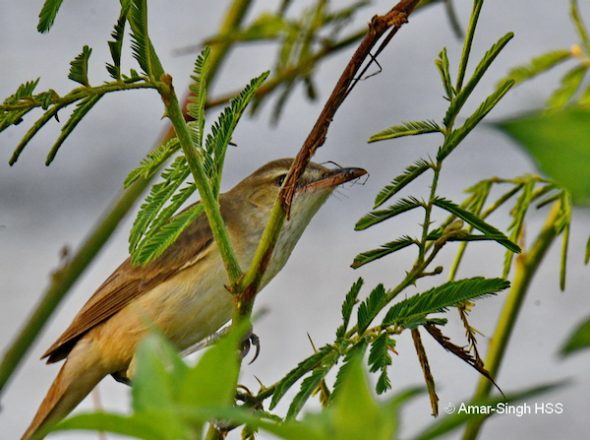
{"x": 43, "y": 209}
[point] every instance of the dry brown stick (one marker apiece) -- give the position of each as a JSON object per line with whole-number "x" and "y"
{"x": 379, "y": 24}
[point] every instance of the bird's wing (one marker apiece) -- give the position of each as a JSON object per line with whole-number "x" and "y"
{"x": 128, "y": 282}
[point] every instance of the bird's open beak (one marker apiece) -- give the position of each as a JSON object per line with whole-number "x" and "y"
{"x": 334, "y": 178}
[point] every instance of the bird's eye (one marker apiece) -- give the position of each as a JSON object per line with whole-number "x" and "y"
{"x": 280, "y": 179}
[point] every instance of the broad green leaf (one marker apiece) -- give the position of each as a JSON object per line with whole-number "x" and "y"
{"x": 558, "y": 144}
{"x": 141, "y": 426}
{"x": 212, "y": 381}
{"x": 355, "y": 412}
{"x": 409, "y": 128}
{"x": 578, "y": 340}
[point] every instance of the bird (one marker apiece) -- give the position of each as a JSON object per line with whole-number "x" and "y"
{"x": 182, "y": 292}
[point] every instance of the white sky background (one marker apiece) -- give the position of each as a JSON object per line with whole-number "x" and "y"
{"x": 42, "y": 209}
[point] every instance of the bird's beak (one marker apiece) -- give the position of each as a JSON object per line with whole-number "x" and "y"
{"x": 333, "y": 178}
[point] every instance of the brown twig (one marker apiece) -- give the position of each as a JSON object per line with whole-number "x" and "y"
{"x": 379, "y": 24}
{"x": 430, "y": 385}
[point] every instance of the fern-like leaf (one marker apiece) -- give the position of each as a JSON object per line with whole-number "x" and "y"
{"x": 159, "y": 195}
{"x": 476, "y": 222}
{"x": 152, "y": 162}
{"x": 116, "y": 44}
{"x": 198, "y": 89}
{"x": 386, "y": 249}
{"x": 399, "y": 207}
{"x": 14, "y": 117}
{"x": 518, "y": 215}
{"x": 356, "y": 351}
{"x": 79, "y": 67}
{"x": 538, "y": 65}
{"x": 82, "y": 108}
{"x": 409, "y": 128}
{"x": 222, "y": 130}
{"x": 370, "y": 307}
{"x": 47, "y": 15}
{"x": 484, "y": 108}
{"x": 408, "y": 176}
{"x": 303, "y": 367}
{"x": 414, "y": 310}
{"x": 442, "y": 65}
{"x": 347, "y": 306}
{"x": 32, "y": 131}
{"x": 488, "y": 58}
{"x": 141, "y": 46}
{"x": 570, "y": 83}
{"x": 155, "y": 244}
{"x": 308, "y": 386}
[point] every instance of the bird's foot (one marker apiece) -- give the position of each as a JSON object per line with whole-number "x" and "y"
{"x": 250, "y": 340}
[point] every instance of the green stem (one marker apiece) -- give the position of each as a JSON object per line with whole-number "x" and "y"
{"x": 80, "y": 93}
{"x": 428, "y": 211}
{"x": 78, "y": 263}
{"x": 526, "y": 266}
{"x": 208, "y": 199}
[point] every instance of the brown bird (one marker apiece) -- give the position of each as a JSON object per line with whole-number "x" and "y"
{"x": 182, "y": 292}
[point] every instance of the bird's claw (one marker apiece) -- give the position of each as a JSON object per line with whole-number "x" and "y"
{"x": 249, "y": 341}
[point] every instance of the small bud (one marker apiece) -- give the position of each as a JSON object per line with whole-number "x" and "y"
{"x": 576, "y": 50}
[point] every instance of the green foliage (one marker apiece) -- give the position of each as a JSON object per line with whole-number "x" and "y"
{"x": 456, "y": 136}
{"x": 141, "y": 46}
{"x": 170, "y": 399}
{"x": 476, "y": 222}
{"x": 385, "y": 249}
{"x": 538, "y": 65}
{"x": 378, "y": 216}
{"x": 79, "y": 67}
{"x": 461, "y": 97}
{"x": 348, "y": 305}
{"x": 311, "y": 362}
{"x": 380, "y": 359}
{"x": 14, "y": 117}
{"x": 410, "y": 174}
{"x": 578, "y": 340}
{"x": 570, "y": 83}
{"x": 82, "y": 108}
{"x": 557, "y": 142}
{"x": 457, "y": 419}
{"x": 414, "y": 310}
{"x": 370, "y": 307}
{"x": 442, "y": 65}
{"x": 116, "y": 44}
{"x": 409, "y": 128}
{"x": 47, "y": 15}
{"x": 156, "y": 227}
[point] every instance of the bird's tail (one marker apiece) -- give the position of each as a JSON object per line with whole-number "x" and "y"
{"x": 77, "y": 377}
